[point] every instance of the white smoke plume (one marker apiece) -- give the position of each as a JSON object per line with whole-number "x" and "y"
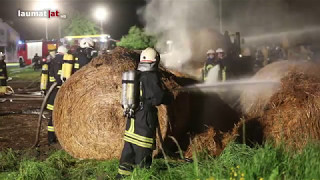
{"x": 179, "y": 22}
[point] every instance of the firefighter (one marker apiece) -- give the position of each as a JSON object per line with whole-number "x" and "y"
{"x": 84, "y": 53}
{"x": 3, "y": 70}
{"x": 210, "y": 63}
{"x": 45, "y": 72}
{"x": 54, "y": 76}
{"x": 37, "y": 62}
{"x": 222, "y": 63}
{"x": 141, "y": 127}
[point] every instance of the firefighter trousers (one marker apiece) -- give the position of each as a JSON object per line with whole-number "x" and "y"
{"x": 3, "y": 82}
{"x": 51, "y": 134}
{"x": 50, "y": 106}
{"x": 139, "y": 140}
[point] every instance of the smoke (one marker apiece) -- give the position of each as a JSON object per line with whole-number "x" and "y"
{"x": 192, "y": 26}
{"x": 265, "y": 22}
{"x": 172, "y": 19}
{"x": 179, "y": 22}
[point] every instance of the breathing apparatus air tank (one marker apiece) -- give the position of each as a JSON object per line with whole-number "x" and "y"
{"x": 67, "y": 66}
{"x": 129, "y": 93}
{"x": 44, "y": 77}
{"x": 124, "y": 101}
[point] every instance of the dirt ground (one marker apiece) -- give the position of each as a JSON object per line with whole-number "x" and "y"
{"x": 18, "y": 120}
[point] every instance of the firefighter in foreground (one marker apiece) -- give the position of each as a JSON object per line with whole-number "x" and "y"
{"x": 142, "y": 92}
{"x": 3, "y": 70}
{"x": 54, "y": 76}
{"x": 84, "y": 53}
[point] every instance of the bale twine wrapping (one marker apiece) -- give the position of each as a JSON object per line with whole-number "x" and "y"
{"x": 291, "y": 114}
{"x": 88, "y": 115}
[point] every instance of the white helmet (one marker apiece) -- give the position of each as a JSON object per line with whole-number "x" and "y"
{"x": 149, "y": 60}
{"x": 220, "y": 50}
{"x": 87, "y": 43}
{"x": 211, "y": 51}
{"x": 148, "y": 55}
{"x": 62, "y": 50}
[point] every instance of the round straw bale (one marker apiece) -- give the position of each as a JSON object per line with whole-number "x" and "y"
{"x": 88, "y": 115}
{"x": 254, "y": 99}
{"x": 291, "y": 112}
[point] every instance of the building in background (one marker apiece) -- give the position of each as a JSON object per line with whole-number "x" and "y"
{"x": 9, "y": 39}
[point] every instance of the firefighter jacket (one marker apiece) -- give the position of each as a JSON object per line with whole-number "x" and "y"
{"x": 141, "y": 129}
{"x": 223, "y": 70}
{"x": 55, "y": 70}
{"x": 83, "y": 57}
{"x": 3, "y": 71}
{"x": 210, "y": 63}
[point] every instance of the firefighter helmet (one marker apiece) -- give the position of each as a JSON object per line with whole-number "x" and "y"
{"x": 149, "y": 60}
{"x": 211, "y": 51}
{"x": 62, "y": 50}
{"x": 87, "y": 43}
{"x": 220, "y": 50}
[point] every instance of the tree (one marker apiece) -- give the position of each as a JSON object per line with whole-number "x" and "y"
{"x": 137, "y": 39}
{"x": 80, "y": 25}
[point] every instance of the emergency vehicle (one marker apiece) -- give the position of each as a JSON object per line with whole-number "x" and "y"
{"x": 103, "y": 41}
{"x": 27, "y": 49}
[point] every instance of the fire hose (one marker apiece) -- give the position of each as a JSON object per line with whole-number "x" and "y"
{"x": 36, "y": 142}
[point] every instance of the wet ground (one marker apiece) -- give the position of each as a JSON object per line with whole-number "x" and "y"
{"x": 19, "y": 118}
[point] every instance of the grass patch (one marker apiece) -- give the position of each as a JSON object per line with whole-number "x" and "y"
{"x": 8, "y": 160}
{"x": 26, "y": 73}
{"x": 236, "y": 162}
{"x": 61, "y": 160}
{"x": 34, "y": 170}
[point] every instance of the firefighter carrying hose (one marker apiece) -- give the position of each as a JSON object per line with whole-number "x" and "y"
{"x": 3, "y": 71}
{"x": 84, "y": 53}
{"x": 142, "y": 92}
{"x": 210, "y": 63}
{"x": 54, "y": 76}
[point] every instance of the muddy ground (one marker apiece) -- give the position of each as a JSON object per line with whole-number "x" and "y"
{"x": 18, "y": 120}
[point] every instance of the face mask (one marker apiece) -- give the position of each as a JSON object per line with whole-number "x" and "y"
{"x": 211, "y": 56}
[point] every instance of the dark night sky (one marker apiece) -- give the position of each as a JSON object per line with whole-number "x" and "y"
{"x": 122, "y": 16}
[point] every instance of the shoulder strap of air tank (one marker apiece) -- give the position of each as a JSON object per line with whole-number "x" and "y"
{"x": 140, "y": 88}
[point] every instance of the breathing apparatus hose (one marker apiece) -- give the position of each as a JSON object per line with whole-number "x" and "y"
{"x": 36, "y": 142}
